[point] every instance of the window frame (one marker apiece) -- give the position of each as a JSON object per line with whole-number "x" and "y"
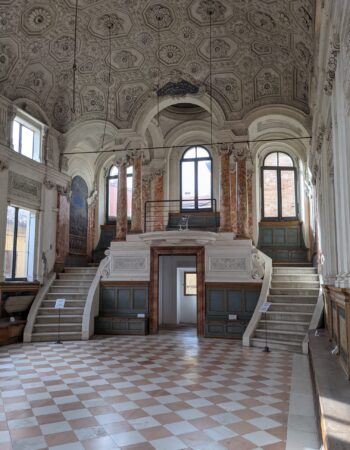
{"x": 113, "y": 177}
{"x": 24, "y": 120}
{"x": 279, "y": 169}
{"x": 14, "y": 246}
{"x": 196, "y": 160}
{"x": 185, "y": 284}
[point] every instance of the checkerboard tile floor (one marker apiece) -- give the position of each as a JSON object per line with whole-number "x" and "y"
{"x": 167, "y": 392}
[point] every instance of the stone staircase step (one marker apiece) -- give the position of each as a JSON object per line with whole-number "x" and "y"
{"x": 302, "y": 264}
{"x": 75, "y": 283}
{"x": 295, "y": 291}
{"x": 53, "y": 327}
{"x": 72, "y": 294}
{"x": 52, "y": 337}
{"x": 277, "y": 345}
{"x": 305, "y": 299}
{"x": 289, "y": 316}
{"x": 284, "y": 325}
{"x": 65, "y": 318}
{"x": 89, "y": 270}
{"x": 67, "y": 289}
{"x": 294, "y": 270}
{"x": 76, "y": 277}
{"x": 292, "y": 307}
{"x": 72, "y": 303}
{"x": 294, "y": 284}
{"x": 49, "y": 310}
{"x": 280, "y": 335}
{"x": 299, "y": 277}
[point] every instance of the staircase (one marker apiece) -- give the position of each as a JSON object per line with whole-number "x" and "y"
{"x": 73, "y": 285}
{"x": 293, "y": 295}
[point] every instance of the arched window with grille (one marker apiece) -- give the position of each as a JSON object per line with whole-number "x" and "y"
{"x": 279, "y": 187}
{"x": 196, "y": 181}
{"x": 112, "y": 193}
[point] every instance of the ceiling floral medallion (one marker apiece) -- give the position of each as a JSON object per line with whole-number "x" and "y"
{"x": 159, "y": 16}
{"x": 171, "y": 54}
{"x": 268, "y": 83}
{"x": 8, "y": 56}
{"x": 263, "y": 21}
{"x": 93, "y": 100}
{"x": 199, "y": 9}
{"x": 6, "y": 22}
{"x": 62, "y": 48}
{"x": 36, "y": 20}
{"x": 117, "y": 23}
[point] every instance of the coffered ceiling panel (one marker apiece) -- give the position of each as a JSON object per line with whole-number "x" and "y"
{"x": 261, "y": 53}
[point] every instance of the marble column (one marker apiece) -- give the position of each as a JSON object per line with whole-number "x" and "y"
{"x": 225, "y": 194}
{"x": 234, "y": 202}
{"x": 122, "y": 213}
{"x": 136, "y": 214}
{"x": 158, "y": 195}
{"x": 242, "y": 197}
{"x": 249, "y": 230}
{"x": 146, "y": 196}
{"x": 62, "y": 230}
{"x": 92, "y": 201}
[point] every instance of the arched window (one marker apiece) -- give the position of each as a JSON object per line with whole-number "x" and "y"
{"x": 279, "y": 199}
{"x": 112, "y": 193}
{"x": 196, "y": 183}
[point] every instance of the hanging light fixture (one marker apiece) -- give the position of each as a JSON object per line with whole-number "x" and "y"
{"x": 75, "y": 56}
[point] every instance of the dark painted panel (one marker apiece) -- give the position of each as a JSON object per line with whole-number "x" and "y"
{"x": 279, "y": 236}
{"x": 124, "y": 300}
{"x": 266, "y": 237}
{"x": 234, "y": 300}
{"x": 251, "y": 299}
{"x": 140, "y": 300}
{"x": 216, "y": 301}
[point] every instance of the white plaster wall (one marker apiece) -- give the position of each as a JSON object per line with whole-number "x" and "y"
{"x": 186, "y": 304}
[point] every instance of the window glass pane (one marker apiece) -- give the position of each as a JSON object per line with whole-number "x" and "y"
{"x": 113, "y": 172}
{"x": 187, "y": 185}
{"x": 15, "y": 136}
{"x": 288, "y": 193}
{"x": 191, "y": 153}
{"x": 112, "y": 198}
{"x": 204, "y": 184}
{"x": 27, "y": 142}
{"x": 284, "y": 160}
{"x": 190, "y": 283}
{"x": 270, "y": 193}
{"x": 129, "y": 194}
{"x": 10, "y": 230}
{"x": 271, "y": 160}
{"x": 202, "y": 153}
{"x": 129, "y": 170}
{"x": 22, "y": 243}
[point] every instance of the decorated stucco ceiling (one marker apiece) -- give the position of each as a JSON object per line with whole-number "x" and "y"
{"x": 261, "y": 53}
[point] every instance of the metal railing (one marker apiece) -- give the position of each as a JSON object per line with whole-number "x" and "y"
{"x": 181, "y": 215}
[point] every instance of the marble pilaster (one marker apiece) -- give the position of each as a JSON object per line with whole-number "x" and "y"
{"x": 225, "y": 194}
{"x": 122, "y": 214}
{"x": 233, "y": 185}
{"x": 136, "y": 217}
{"x": 158, "y": 195}
{"x": 146, "y": 196}
{"x": 3, "y": 213}
{"x": 249, "y": 230}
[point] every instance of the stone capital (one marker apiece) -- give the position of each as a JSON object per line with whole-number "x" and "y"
{"x": 3, "y": 165}
{"x": 224, "y": 149}
{"x": 157, "y": 173}
{"x": 135, "y": 154}
{"x": 123, "y": 161}
{"x": 49, "y": 184}
{"x": 240, "y": 150}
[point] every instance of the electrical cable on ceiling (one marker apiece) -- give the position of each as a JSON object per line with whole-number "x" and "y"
{"x": 210, "y": 12}
{"x": 158, "y": 61}
{"x": 109, "y": 26}
{"x": 75, "y": 56}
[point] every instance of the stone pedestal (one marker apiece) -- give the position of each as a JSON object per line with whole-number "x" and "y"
{"x": 225, "y": 194}
{"x": 122, "y": 214}
{"x": 136, "y": 217}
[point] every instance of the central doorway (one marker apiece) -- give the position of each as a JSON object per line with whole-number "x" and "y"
{"x": 177, "y": 291}
{"x": 163, "y": 311}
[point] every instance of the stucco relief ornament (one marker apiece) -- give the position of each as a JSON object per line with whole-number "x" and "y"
{"x": 258, "y": 265}
{"x": 320, "y": 137}
{"x": 159, "y": 16}
{"x": 217, "y": 7}
{"x": 332, "y": 64}
{"x": 171, "y": 54}
{"x": 3, "y": 165}
{"x": 38, "y": 20}
{"x": 48, "y": 184}
{"x": 106, "y": 265}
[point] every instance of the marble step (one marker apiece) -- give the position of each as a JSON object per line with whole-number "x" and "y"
{"x": 305, "y": 299}
{"x": 288, "y": 316}
{"x": 47, "y": 303}
{"x": 288, "y": 346}
{"x": 88, "y": 270}
{"x": 280, "y": 335}
{"x": 52, "y": 337}
{"x": 284, "y": 325}
{"x": 312, "y": 277}
{"x": 292, "y": 307}
{"x": 76, "y": 276}
{"x": 72, "y": 295}
{"x": 294, "y": 291}
{"x": 65, "y": 318}
{"x": 69, "y": 282}
{"x": 53, "y": 327}
{"x": 50, "y": 310}
{"x": 294, "y": 284}
{"x": 294, "y": 270}
{"x": 63, "y": 289}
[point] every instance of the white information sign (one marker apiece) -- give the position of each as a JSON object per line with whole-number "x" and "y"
{"x": 141, "y": 315}
{"x": 265, "y": 307}
{"x": 60, "y": 303}
{"x": 232, "y": 317}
